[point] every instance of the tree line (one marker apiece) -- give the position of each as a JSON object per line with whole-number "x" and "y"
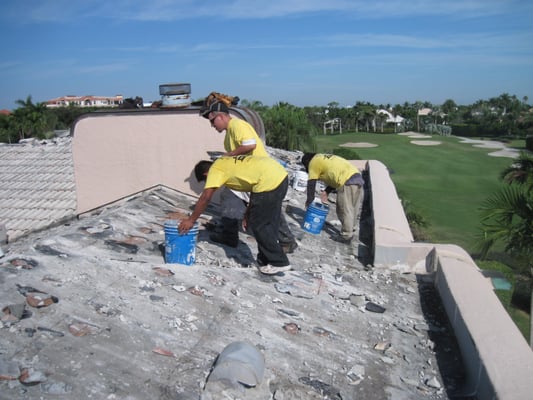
{"x": 291, "y": 127}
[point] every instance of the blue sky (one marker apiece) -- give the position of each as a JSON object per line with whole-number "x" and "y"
{"x": 304, "y": 52}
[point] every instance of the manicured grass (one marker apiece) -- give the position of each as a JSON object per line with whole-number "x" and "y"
{"x": 445, "y": 183}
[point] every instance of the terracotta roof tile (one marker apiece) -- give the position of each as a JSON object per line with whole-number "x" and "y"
{"x": 38, "y": 188}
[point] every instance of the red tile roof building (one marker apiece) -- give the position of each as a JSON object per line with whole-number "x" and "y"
{"x": 85, "y": 101}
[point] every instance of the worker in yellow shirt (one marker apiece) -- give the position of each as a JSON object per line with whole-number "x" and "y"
{"x": 240, "y": 139}
{"x": 267, "y": 182}
{"x": 339, "y": 175}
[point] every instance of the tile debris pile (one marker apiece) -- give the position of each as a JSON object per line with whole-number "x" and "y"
{"x": 90, "y": 310}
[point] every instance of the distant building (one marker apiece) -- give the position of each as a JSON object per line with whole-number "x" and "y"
{"x": 393, "y": 119}
{"x": 424, "y": 111}
{"x": 85, "y": 101}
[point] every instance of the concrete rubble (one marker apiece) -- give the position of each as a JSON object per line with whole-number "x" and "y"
{"x": 91, "y": 310}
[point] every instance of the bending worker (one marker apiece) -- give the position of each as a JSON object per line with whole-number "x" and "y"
{"x": 340, "y": 175}
{"x": 240, "y": 139}
{"x": 267, "y": 182}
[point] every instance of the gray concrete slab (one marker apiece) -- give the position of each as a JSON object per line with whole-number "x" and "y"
{"x": 128, "y": 326}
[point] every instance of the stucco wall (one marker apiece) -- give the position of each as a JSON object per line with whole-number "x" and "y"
{"x": 122, "y": 153}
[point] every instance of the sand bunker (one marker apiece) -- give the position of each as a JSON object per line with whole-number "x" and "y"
{"x": 419, "y": 136}
{"x": 358, "y": 144}
{"x": 425, "y": 142}
{"x": 502, "y": 149}
{"x": 408, "y": 133}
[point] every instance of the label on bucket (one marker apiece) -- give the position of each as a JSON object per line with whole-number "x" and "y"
{"x": 315, "y": 217}
{"x": 180, "y": 249}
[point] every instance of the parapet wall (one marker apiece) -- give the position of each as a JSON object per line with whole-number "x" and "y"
{"x": 498, "y": 360}
{"x": 118, "y": 154}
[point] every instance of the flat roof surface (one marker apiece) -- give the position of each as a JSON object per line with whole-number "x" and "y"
{"x": 91, "y": 310}
{"x": 127, "y": 325}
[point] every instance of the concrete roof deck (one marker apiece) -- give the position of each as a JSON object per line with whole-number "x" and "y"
{"x": 150, "y": 333}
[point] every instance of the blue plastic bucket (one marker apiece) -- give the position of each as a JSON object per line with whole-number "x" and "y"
{"x": 315, "y": 217}
{"x": 180, "y": 249}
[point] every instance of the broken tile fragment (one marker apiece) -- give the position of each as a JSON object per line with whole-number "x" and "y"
{"x": 319, "y": 331}
{"x": 23, "y": 263}
{"x": 39, "y": 300}
{"x": 294, "y": 290}
{"x": 82, "y": 329}
{"x": 373, "y": 307}
{"x": 162, "y": 271}
{"x": 433, "y": 382}
{"x": 100, "y": 228}
{"x": 387, "y": 360}
{"x": 163, "y": 352}
{"x": 29, "y": 376}
{"x": 13, "y": 312}
{"x": 291, "y": 328}
{"x": 382, "y": 346}
{"x": 197, "y": 291}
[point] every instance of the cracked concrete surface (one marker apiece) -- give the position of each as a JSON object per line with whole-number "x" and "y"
{"x": 128, "y": 326}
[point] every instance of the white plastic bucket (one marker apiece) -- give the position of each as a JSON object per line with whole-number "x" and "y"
{"x": 299, "y": 181}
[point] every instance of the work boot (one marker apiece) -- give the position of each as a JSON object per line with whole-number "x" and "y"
{"x": 343, "y": 239}
{"x": 230, "y": 232}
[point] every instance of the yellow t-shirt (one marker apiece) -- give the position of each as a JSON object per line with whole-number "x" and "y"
{"x": 333, "y": 170}
{"x": 246, "y": 174}
{"x": 240, "y": 132}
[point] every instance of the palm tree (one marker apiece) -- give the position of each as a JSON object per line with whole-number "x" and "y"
{"x": 30, "y": 119}
{"x": 520, "y": 172}
{"x": 380, "y": 120}
{"x": 507, "y": 218}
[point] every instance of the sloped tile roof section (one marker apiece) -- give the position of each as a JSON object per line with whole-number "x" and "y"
{"x": 37, "y": 189}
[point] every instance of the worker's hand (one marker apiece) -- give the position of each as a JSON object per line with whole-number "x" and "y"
{"x": 324, "y": 197}
{"x": 185, "y": 225}
{"x": 244, "y": 223}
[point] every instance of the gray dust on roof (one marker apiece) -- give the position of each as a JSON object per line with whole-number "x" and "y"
{"x": 90, "y": 309}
